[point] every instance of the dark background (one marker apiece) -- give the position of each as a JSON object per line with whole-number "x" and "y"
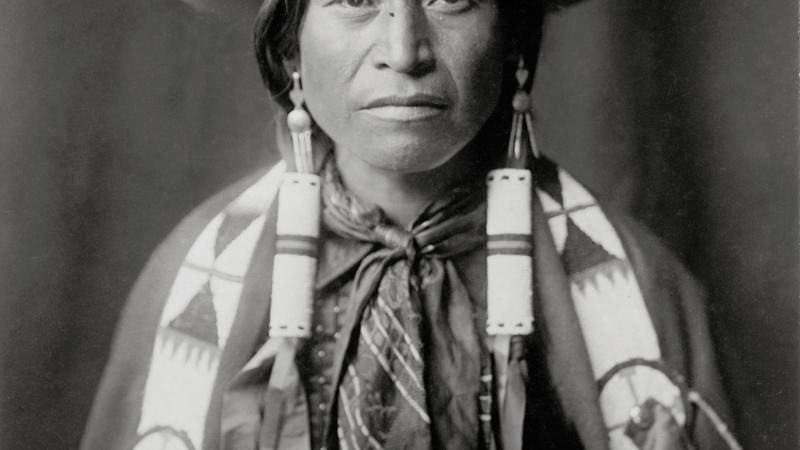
{"x": 118, "y": 116}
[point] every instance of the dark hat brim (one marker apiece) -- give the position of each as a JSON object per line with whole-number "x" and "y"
{"x": 231, "y": 9}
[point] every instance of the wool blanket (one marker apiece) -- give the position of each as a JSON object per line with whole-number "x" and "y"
{"x": 199, "y": 313}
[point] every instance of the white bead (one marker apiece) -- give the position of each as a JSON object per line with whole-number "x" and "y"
{"x": 298, "y": 121}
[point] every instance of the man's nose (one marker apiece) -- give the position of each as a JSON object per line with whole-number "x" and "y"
{"x": 405, "y": 43}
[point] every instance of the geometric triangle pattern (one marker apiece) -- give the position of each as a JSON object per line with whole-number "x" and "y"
{"x": 199, "y": 319}
{"x": 187, "y": 348}
{"x": 581, "y": 252}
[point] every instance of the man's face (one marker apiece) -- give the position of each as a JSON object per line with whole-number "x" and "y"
{"x": 402, "y": 85}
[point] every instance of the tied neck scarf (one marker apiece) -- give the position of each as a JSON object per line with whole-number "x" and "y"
{"x": 406, "y": 294}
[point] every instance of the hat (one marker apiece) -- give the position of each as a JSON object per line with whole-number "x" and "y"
{"x": 231, "y": 9}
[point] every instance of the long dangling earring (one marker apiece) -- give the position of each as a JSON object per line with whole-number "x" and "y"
{"x": 295, "y": 264}
{"x": 522, "y": 124}
{"x": 510, "y": 291}
{"x": 299, "y": 122}
{"x": 509, "y": 278}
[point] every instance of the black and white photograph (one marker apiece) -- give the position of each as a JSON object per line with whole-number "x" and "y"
{"x": 399, "y": 224}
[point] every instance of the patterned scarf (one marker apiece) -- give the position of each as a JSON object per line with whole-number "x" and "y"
{"x": 381, "y": 395}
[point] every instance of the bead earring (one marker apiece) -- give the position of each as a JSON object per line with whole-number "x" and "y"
{"x": 522, "y": 123}
{"x": 299, "y": 122}
{"x": 510, "y": 268}
{"x": 509, "y": 279}
{"x": 295, "y": 263}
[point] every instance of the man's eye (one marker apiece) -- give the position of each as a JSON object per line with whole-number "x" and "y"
{"x": 450, "y": 6}
{"x": 356, "y": 3}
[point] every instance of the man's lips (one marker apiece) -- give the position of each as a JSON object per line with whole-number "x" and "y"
{"x": 406, "y": 108}
{"x": 414, "y": 100}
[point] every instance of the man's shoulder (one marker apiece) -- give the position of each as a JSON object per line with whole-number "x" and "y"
{"x": 645, "y": 245}
{"x": 167, "y": 258}
{"x": 193, "y": 223}
{"x": 658, "y": 267}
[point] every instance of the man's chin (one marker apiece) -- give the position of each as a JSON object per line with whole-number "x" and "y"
{"x": 408, "y": 157}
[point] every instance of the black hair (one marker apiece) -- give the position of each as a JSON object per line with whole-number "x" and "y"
{"x": 277, "y": 26}
{"x": 275, "y": 37}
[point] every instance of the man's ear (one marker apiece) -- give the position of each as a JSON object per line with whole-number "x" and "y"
{"x": 291, "y": 65}
{"x": 513, "y": 52}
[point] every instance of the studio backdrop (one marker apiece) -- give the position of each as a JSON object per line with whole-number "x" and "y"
{"x": 118, "y": 116}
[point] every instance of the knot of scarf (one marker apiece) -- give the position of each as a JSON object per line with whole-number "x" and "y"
{"x": 410, "y": 324}
{"x": 393, "y": 237}
{"x": 453, "y": 224}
